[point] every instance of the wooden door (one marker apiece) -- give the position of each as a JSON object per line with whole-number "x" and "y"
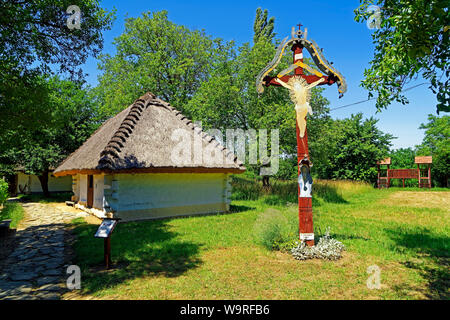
{"x": 90, "y": 191}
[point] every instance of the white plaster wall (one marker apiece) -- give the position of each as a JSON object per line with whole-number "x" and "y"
{"x": 59, "y": 184}
{"x": 98, "y": 191}
{"x": 148, "y": 191}
{"x": 76, "y": 186}
{"x": 83, "y": 188}
{"x": 22, "y": 180}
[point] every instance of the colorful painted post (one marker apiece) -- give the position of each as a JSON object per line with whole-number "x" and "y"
{"x": 305, "y": 213}
{"x": 306, "y": 230}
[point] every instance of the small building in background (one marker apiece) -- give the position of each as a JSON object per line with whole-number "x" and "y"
{"x": 150, "y": 161}
{"x": 28, "y": 183}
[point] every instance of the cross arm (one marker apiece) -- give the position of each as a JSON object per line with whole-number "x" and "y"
{"x": 271, "y": 81}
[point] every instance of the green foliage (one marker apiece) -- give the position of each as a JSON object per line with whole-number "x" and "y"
{"x": 156, "y": 55}
{"x": 275, "y": 229}
{"x": 287, "y": 169}
{"x": 34, "y": 34}
{"x": 413, "y": 40}
{"x": 263, "y": 28}
{"x": 229, "y": 98}
{"x": 33, "y": 37}
{"x": 72, "y": 119}
{"x": 437, "y": 143}
{"x": 3, "y": 191}
{"x": 34, "y": 42}
{"x": 352, "y": 146}
{"x": 279, "y": 193}
{"x": 13, "y": 211}
{"x": 402, "y": 158}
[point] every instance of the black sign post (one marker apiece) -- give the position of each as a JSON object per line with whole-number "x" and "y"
{"x": 104, "y": 231}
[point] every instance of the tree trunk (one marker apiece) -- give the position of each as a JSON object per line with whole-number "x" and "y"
{"x": 12, "y": 184}
{"x": 43, "y": 178}
{"x": 266, "y": 182}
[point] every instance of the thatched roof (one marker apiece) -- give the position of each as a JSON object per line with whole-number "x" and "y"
{"x": 143, "y": 138}
{"x": 423, "y": 160}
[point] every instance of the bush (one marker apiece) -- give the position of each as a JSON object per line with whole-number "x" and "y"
{"x": 276, "y": 230}
{"x": 3, "y": 191}
{"x": 327, "y": 248}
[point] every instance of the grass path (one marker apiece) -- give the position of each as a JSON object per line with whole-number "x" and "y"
{"x": 217, "y": 257}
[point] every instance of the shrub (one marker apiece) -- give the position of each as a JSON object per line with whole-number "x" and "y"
{"x": 3, "y": 191}
{"x": 276, "y": 230}
{"x": 327, "y": 248}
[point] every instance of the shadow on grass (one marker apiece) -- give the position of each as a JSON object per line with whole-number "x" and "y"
{"x": 434, "y": 265}
{"x": 138, "y": 249}
{"x": 236, "y": 208}
{"x": 40, "y": 198}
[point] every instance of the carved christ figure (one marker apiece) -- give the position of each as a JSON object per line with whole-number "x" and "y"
{"x": 299, "y": 92}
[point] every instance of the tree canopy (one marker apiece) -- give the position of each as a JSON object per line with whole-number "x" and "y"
{"x": 436, "y": 142}
{"x": 263, "y": 27}
{"x": 35, "y": 34}
{"x": 45, "y": 145}
{"x": 156, "y": 55}
{"x": 412, "y": 41}
{"x": 35, "y": 41}
{"x": 353, "y": 146}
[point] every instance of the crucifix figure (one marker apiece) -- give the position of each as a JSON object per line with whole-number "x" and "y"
{"x": 299, "y": 91}
{"x": 299, "y": 85}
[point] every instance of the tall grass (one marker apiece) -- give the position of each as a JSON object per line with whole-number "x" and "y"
{"x": 282, "y": 192}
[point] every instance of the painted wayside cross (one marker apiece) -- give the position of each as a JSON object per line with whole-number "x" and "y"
{"x": 299, "y": 83}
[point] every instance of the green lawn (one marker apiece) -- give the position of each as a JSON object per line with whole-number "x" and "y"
{"x": 13, "y": 211}
{"x": 404, "y": 232}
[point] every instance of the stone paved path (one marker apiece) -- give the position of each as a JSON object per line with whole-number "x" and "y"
{"x": 36, "y": 269}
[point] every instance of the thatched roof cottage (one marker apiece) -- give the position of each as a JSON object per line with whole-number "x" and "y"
{"x": 150, "y": 161}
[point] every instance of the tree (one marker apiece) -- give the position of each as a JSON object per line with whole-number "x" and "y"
{"x": 156, "y": 55}
{"x": 45, "y": 145}
{"x": 402, "y": 158}
{"x": 352, "y": 151}
{"x": 229, "y": 98}
{"x": 36, "y": 40}
{"x": 437, "y": 143}
{"x": 263, "y": 28}
{"x": 35, "y": 34}
{"x": 413, "y": 40}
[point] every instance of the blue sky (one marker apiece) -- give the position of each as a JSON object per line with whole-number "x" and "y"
{"x": 330, "y": 23}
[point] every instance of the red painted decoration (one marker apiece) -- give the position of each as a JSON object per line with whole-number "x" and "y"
{"x": 305, "y": 213}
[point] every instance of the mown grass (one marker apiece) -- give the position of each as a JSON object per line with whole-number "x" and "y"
{"x": 13, "y": 211}
{"x": 219, "y": 256}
